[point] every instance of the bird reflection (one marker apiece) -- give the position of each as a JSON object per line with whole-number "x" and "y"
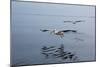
{"x": 54, "y": 52}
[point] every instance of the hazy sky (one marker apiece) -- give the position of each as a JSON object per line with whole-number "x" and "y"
{"x": 54, "y": 9}
{"x": 89, "y": 2}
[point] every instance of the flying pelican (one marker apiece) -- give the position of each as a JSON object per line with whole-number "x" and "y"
{"x": 74, "y": 22}
{"x": 60, "y": 32}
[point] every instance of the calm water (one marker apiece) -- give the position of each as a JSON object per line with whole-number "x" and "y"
{"x": 27, "y": 39}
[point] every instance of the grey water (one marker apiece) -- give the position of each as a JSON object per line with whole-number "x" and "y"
{"x": 27, "y": 18}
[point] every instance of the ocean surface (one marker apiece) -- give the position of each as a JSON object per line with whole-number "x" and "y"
{"x": 27, "y": 18}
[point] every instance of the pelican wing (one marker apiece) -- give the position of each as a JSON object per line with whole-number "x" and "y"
{"x": 79, "y": 21}
{"x": 68, "y": 31}
{"x": 67, "y": 21}
{"x": 44, "y": 30}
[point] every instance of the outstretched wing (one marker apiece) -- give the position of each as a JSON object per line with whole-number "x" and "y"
{"x": 68, "y": 31}
{"x": 78, "y": 21}
{"x": 44, "y": 30}
{"x": 67, "y": 21}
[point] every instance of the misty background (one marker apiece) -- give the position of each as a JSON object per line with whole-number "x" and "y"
{"x": 27, "y": 39}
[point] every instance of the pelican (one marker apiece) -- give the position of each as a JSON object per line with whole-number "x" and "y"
{"x": 58, "y": 32}
{"x": 74, "y": 22}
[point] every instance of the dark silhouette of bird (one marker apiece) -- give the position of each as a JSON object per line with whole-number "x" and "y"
{"x": 74, "y": 22}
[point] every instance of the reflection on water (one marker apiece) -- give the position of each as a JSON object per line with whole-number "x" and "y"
{"x": 54, "y": 52}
